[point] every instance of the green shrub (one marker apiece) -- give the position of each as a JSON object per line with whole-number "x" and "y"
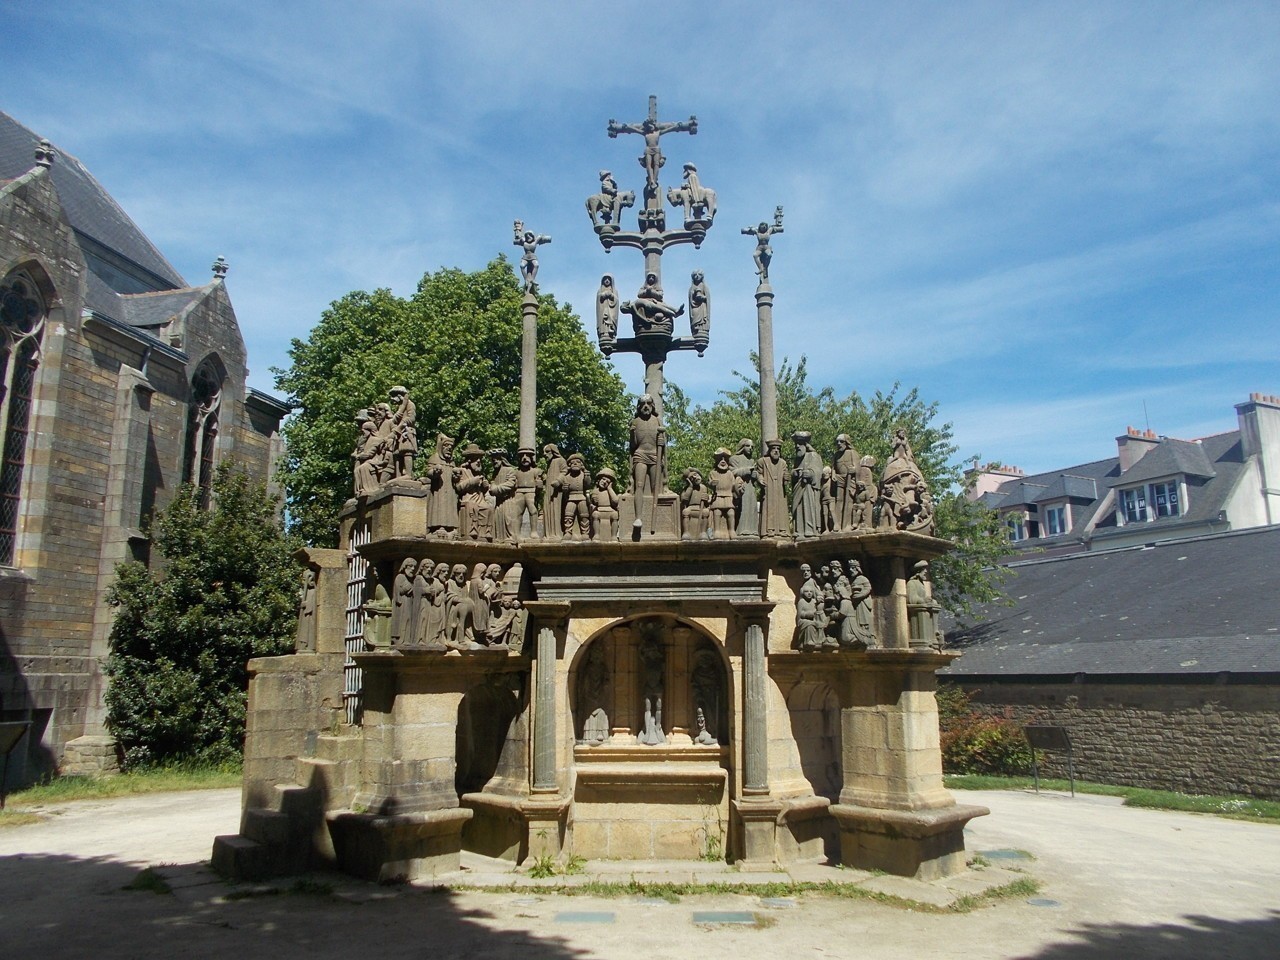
{"x": 974, "y": 742}
{"x": 224, "y": 589}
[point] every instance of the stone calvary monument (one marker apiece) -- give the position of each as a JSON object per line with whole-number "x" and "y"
{"x": 526, "y": 657}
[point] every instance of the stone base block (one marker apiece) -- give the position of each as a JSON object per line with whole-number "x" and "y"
{"x": 758, "y": 833}
{"x": 924, "y": 844}
{"x": 240, "y": 858}
{"x": 404, "y": 846}
{"x": 667, "y": 517}
{"x": 90, "y": 757}
{"x": 497, "y": 828}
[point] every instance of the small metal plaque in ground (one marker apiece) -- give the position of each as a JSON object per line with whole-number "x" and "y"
{"x": 710, "y": 917}
{"x": 1005, "y": 854}
{"x": 777, "y": 903}
{"x": 585, "y": 916}
{"x": 1044, "y": 902}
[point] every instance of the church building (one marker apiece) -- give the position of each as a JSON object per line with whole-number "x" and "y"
{"x": 119, "y": 381}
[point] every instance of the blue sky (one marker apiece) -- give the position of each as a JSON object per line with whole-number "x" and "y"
{"x": 1054, "y": 219}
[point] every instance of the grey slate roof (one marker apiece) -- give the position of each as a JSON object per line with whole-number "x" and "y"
{"x": 1168, "y": 458}
{"x": 155, "y": 309}
{"x": 1068, "y": 487}
{"x": 89, "y": 208}
{"x": 1019, "y": 492}
{"x": 1192, "y": 606}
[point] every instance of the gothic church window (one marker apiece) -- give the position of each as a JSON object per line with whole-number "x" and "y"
{"x": 202, "y": 429}
{"x": 22, "y": 316}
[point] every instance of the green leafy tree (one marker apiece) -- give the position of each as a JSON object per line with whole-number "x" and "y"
{"x": 967, "y": 576}
{"x": 224, "y": 589}
{"x": 455, "y": 344}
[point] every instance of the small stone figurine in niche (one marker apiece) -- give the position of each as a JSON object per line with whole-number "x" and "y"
{"x": 704, "y": 738}
{"x": 305, "y": 638}
{"x": 653, "y": 668}
{"x": 593, "y": 691}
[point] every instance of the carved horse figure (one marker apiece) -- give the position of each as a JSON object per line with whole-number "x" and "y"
{"x": 606, "y": 208}
{"x": 699, "y": 204}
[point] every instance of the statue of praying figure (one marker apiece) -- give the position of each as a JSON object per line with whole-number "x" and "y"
{"x": 607, "y": 314}
{"x": 700, "y": 311}
{"x": 764, "y": 253}
{"x": 529, "y": 241}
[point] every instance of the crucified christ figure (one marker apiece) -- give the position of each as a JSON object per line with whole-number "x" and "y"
{"x": 652, "y": 131}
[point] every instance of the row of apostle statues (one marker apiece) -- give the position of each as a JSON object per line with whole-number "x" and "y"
{"x": 435, "y": 606}
{"x": 485, "y": 496}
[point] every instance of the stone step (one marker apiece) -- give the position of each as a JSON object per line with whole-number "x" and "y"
{"x": 339, "y": 747}
{"x": 268, "y": 827}
{"x": 240, "y": 858}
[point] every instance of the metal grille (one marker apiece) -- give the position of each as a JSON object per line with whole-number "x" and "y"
{"x": 357, "y": 583}
{"x": 15, "y": 447}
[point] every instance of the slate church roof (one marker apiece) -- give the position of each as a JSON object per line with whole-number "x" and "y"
{"x": 1201, "y": 606}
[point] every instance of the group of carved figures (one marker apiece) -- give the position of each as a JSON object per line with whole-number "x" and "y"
{"x": 834, "y": 609}
{"x": 746, "y": 497}
{"x": 650, "y": 313}
{"x": 435, "y": 606}
{"x": 741, "y": 496}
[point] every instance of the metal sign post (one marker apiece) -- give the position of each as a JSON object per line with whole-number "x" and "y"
{"x": 1050, "y": 739}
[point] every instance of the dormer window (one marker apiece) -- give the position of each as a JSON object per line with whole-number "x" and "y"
{"x": 1150, "y": 501}
{"x": 1133, "y": 505}
{"x": 1055, "y": 520}
{"x": 1164, "y": 497}
{"x": 1017, "y": 528}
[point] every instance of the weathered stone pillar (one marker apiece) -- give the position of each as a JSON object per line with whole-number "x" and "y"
{"x": 621, "y": 640}
{"x": 894, "y": 813}
{"x": 529, "y": 372}
{"x": 757, "y": 812}
{"x": 677, "y": 684}
{"x": 898, "y": 635}
{"x": 547, "y": 616}
{"x": 768, "y": 387}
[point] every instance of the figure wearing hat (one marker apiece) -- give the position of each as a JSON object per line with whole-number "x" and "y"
{"x": 475, "y": 517}
{"x": 404, "y": 435}
{"x": 503, "y": 488}
{"x": 442, "y": 504}
{"x": 806, "y": 498}
{"x": 574, "y": 484}
{"x": 771, "y": 473}
{"x": 604, "y": 506}
{"x": 724, "y": 488}
{"x": 695, "y": 500}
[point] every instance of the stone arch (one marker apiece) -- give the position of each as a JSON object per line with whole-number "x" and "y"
{"x": 605, "y": 675}
{"x": 814, "y": 711}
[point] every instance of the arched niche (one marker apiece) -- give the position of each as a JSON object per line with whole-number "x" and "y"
{"x": 485, "y": 745}
{"x": 643, "y": 680}
{"x": 814, "y": 711}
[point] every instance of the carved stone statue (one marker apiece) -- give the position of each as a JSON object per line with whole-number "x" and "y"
{"x": 743, "y": 465}
{"x": 524, "y": 502}
{"x": 725, "y": 488}
{"x": 442, "y": 506}
{"x": 864, "y": 495}
{"x": 437, "y": 616}
{"x": 699, "y": 202}
{"x": 653, "y": 669}
{"x": 605, "y": 208}
{"x": 604, "y": 506}
{"x": 377, "y": 614}
{"x": 529, "y": 242}
{"x": 771, "y": 472}
{"x": 922, "y": 609}
{"x": 905, "y": 503}
{"x": 844, "y": 469}
{"x": 764, "y": 253}
{"x": 423, "y": 579}
{"x": 810, "y": 623}
{"x": 700, "y": 311}
{"x": 305, "y": 638}
{"x": 695, "y": 504}
{"x": 575, "y": 484}
{"x": 705, "y": 679}
{"x": 649, "y": 312}
{"x": 366, "y": 455}
{"x": 475, "y": 517}
{"x": 503, "y": 489}
{"x": 607, "y": 314}
{"x": 593, "y": 696}
{"x": 826, "y": 497}
{"x": 402, "y": 603}
{"x": 553, "y": 497}
{"x": 648, "y": 451}
{"x": 384, "y": 423}
{"x": 652, "y": 159}
{"x": 404, "y": 433}
{"x": 806, "y": 498}
{"x": 860, "y": 595}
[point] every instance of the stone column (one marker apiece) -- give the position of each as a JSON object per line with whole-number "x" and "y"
{"x": 679, "y": 702}
{"x": 768, "y": 388}
{"x": 755, "y": 716}
{"x": 547, "y": 616}
{"x": 898, "y": 635}
{"x": 621, "y": 642}
{"x": 529, "y": 372}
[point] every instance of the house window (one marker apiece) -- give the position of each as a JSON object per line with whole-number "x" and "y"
{"x": 202, "y": 430}
{"x": 22, "y": 314}
{"x": 1164, "y": 497}
{"x": 1055, "y": 520}
{"x": 1133, "y": 505}
{"x": 1017, "y": 528}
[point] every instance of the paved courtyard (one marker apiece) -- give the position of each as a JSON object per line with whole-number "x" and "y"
{"x": 1116, "y": 882}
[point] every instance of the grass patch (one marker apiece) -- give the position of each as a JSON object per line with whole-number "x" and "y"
{"x": 1022, "y": 887}
{"x": 1236, "y": 808}
{"x": 187, "y": 776}
{"x": 17, "y": 818}
{"x": 147, "y": 879}
{"x": 252, "y": 893}
{"x": 305, "y": 886}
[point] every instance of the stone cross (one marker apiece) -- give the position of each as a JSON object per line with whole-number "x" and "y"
{"x": 652, "y": 131}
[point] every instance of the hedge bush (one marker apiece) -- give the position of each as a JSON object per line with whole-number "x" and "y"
{"x": 974, "y": 742}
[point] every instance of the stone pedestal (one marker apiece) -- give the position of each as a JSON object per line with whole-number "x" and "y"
{"x": 668, "y": 517}
{"x": 92, "y": 756}
{"x": 924, "y": 844}
{"x": 758, "y": 836}
{"x": 405, "y": 846}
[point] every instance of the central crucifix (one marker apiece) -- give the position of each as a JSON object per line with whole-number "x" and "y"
{"x": 652, "y": 317}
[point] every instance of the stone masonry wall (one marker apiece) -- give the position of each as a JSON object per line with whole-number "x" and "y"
{"x": 1191, "y": 737}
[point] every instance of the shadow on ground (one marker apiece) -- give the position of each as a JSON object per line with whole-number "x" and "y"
{"x": 59, "y": 906}
{"x": 1194, "y": 938}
